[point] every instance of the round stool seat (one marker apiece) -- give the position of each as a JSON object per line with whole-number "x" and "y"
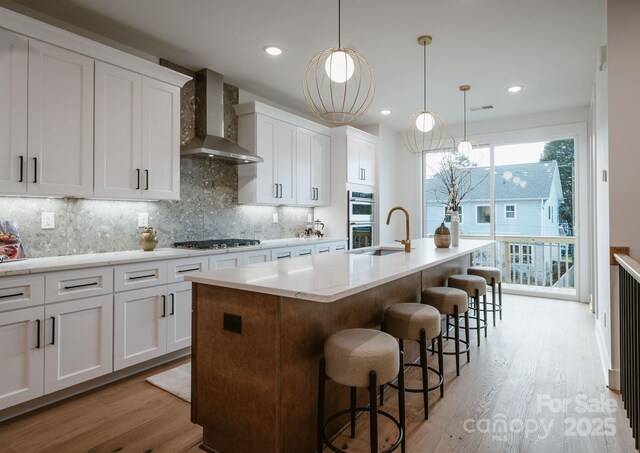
{"x": 405, "y": 321}
{"x": 445, "y": 299}
{"x": 353, "y": 353}
{"x": 486, "y": 272}
{"x": 469, "y": 284}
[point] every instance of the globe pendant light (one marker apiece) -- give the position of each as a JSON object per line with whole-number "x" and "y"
{"x": 465, "y": 146}
{"x": 338, "y": 83}
{"x": 425, "y": 131}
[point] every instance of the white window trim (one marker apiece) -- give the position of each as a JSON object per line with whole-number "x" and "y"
{"x": 515, "y": 211}
{"x": 483, "y": 206}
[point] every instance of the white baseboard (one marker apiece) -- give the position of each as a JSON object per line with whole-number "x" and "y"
{"x": 605, "y": 360}
{"x": 614, "y": 379}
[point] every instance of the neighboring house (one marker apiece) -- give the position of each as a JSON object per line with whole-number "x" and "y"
{"x": 527, "y": 199}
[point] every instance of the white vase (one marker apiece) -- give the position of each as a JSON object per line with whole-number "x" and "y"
{"x": 455, "y": 232}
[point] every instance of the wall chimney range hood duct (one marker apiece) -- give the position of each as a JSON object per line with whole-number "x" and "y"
{"x": 209, "y": 139}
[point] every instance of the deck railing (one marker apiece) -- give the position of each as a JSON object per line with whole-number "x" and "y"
{"x": 541, "y": 261}
{"x": 629, "y": 295}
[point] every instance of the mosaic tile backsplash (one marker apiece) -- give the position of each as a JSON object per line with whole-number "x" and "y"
{"x": 208, "y": 209}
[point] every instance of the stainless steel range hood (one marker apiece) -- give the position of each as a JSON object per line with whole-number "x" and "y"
{"x": 209, "y": 139}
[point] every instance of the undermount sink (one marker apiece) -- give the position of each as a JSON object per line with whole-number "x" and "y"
{"x": 380, "y": 251}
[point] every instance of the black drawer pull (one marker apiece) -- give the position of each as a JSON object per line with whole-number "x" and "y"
{"x": 305, "y": 254}
{"x": 173, "y": 304}
{"x": 283, "y": 256}
{"x": 138, "y": 176}
{"x": 164, "y": 306}
{"x": 35, "y": 170}
{"x": 142, "y": 276}
{"x": 189, "y": 270}
{"x": 53, "y": 330}
{"x": 83, "y": 285}
{"x": 38, "y": 334}
{"x": 146, "y": 180}
{"x": 21, "y": 168}
{"x": 6, "y": 296}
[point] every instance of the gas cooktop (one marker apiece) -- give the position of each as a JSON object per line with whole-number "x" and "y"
{"x": 216, "y": 243}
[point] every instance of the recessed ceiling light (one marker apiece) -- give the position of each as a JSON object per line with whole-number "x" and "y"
{"x": 514, "y": 89}
{"x": 385, "y": 112}
{"x": 273, "y": 50}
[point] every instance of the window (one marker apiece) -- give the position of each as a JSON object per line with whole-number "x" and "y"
{"x": 510, "y": 211}
{"x": 520, "y": 253}
{"x": 447, "y": 214}
{"x": 483, "y": 214}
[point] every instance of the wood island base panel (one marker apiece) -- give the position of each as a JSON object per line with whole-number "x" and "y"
{"x": 255, "y": 359}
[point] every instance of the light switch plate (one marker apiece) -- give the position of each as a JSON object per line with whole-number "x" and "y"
{"x": 143, "y": 219}
{"x": 275, "y": 217}
{"x": 48, "y": 221}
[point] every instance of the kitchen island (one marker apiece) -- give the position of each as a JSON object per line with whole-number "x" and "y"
{"x": 259, "y": 331}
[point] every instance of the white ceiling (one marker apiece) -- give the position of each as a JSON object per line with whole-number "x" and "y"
{"x": 548, "y": 46}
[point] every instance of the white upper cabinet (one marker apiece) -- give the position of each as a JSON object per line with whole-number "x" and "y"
{"x": 160, "y": 140}
{"x": 118, "y": 130}
{"x": 312, "y": 168}
{"x": 137, "y": 136}
{"x": 361, "y": 161}
{"x": 60, "y": 122}
{"x": 296, "y": 154}
{"x": 13, "y": 112}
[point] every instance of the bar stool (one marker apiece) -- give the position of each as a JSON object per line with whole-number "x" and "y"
{"x": 421, "y": 323}
{"x": 492, "y": 275}
{"x": 451, "y": 302}
{"x": 361, "y": 358}
{"x": 475, "y": 287}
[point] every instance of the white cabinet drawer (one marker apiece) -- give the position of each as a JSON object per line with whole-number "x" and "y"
{"x": 140, "y": 275}
{"x": 323, "y": 248}
{"x": 78, "y": 283}
{"x": 282, "y": 253}
{"x": 177, "y": 269}
{"x": 225, "y": 261}
{"x": 21, "y": 292}
{"x": 257, "y": 256}
{"x": 304, "y": 250}
{"x": 339, "y": 246}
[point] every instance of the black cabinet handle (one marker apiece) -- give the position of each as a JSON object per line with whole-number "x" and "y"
{"x": 141, "y": 276}
{"x": 138, "y": 178}
{"x": 173, "y": 304}
{"x": 6, "y": 296}
{"x": 164, "y": 306}
{"x": 276, "y": 190}
{"x": 35, "y": 169}
{"x": 21, "y": 168}
{"x": 188, "y": 270}
{"x": 38, "y": 334}
{"x": 84, "y": 285}
{"x": 146, "y": 180}
{"x": 53, "y": 330}
{"x": 283, "y": 256}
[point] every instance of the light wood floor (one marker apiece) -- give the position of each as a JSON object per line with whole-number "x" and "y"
{"x": 543, "y": 349}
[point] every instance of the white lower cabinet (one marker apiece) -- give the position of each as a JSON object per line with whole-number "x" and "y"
{"x": 49, "y": 348}
{"x": 77, "y": 341}
{"x": 225, "y": 261}
{"x": 257, "y": 256}
{"x": 21, "y": 356}
{"x": 304, "y": 250}
{"x": 150, "y": 322}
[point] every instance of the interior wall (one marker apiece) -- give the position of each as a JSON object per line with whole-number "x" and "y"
{"x": 623, "y": 54}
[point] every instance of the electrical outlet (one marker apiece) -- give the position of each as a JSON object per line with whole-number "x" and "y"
{"x": 275, "y": 217}
{"x": 309, "y": 217}
{"x": 143, "y": 219}
{"x": 48, "y": 221}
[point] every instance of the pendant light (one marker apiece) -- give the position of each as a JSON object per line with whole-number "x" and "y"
{"x": 465, "y": 146}
{"x": 338, "y": 83}
{"x": 424, "y": 131}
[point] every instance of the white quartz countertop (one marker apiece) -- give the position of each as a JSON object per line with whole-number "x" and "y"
{"x": 332, "y": 276}
{"x": 58, "y": 263}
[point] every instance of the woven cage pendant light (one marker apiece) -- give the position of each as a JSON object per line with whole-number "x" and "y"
{"x": 425, "y": 131}
{"x": 338, "y": 83}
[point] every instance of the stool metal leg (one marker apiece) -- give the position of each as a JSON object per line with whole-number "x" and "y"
{"x": 441, "y": 364}
{"x": 476, "y": 303}
{"x": 373, "y": 408}
{"x": 486, "y": 318}
{"x": 466, "y": 333}
{"x": 456, "y": 321}
{"x": 321, "y": 391}
{"x": 382, "y": 395}
{"x": 425, "y": 376}
{"x": 500, "y": 298}
{"x": 401, "y": 408}
{"x": 493, "y": 298}
{"x": 353, "y": 411}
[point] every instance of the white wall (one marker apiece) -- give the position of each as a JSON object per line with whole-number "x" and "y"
{"x": 623, "y": 66}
